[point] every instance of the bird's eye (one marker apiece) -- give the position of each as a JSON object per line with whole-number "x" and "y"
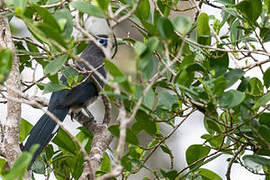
{"x": 103, "y": 42}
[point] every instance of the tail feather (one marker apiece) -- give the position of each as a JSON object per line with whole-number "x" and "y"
{"x": 43, "y": 131}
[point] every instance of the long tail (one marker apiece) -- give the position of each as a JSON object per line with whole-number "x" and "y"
{"x": 43, "y": 131}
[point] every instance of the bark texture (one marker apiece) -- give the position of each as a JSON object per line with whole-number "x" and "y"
{"x": 10, "y": 128}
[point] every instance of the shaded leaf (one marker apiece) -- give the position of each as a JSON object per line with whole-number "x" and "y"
{"x": 219, "y": 61}
{"x": 143, "y": 10}
{"x": 55, "y": 65}
{"x": 257, "y": 159}
{"x": 5, "y": 64}
{"x": 64, "y": 14}
{"x": 264, "y": 99}
{"x": 220, "y": 85}
{"x": 103, "y": 4}
{"x": 20, "y": 165}
{"x": 231, "y": 98}
{"x": 144, "y": 122}
{"x": 233, "y": 76}
{"x": 207, "y": 174}
{"x": 166, "y": 98}
{"x": 182, "y": 24}
{"x": 266, "y": 78}
{"x": 165, "y": 28}
{"x": 130, "y": 136}
{"x": 64, "y": 141}
{"x": 196, "y": 152}
{"x": 47, "y": 17}
{"x": 52, "y": 87}
{"x": 203, "y": 29}
{"x": 149, "y": 99}
{"x": 20, "y": 6}
{"x": 251, "y": 9}
{"x": 86, "y": 7}
{"x": 255, "y": 87}
{"x": 24, "y": 129}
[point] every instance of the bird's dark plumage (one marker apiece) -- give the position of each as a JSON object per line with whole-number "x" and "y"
{"x": 62, "y": 101}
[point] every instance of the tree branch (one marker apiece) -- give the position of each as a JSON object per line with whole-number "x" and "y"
{"x": 10, "y": 128}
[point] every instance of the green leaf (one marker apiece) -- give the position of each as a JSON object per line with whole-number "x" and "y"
{"x": 267, "y": 6}
{"x": 103, "y": 4}
{"x": 147, "y": 64}
{"x": 164, "y": 7}
{"x": 116, "y": 73}
{"x": 52, "y": 87}
{"x": 265, "y": 119}
{"x": 166, "y": 150}
{"x": 210, "y": 125}
{"x": 166, "y": 98}
{"x": 233, "y": 76}
{"x": 265, "y": 34}
{"x": 112, "y": 68}
{"x": 2, "y": 164}
{"x": 20, "y": 6}
{"x": 257, "y": 159}
{"x": 105, "y": 164}
{"x": 203, "y": 163}
{"x": 85, "y": 137}
{"x": 47, "y": 17}
{"x": 243, "y": 85}
{"x": 64, "y": 141}
{"x": 140, "y": 48}
{"x": 165, "y": 28}
{"x": 146, "y": 178}
{"x": 20, "y": 166}
{"x": 86, "y": 7}
{"x": 55, "y": 65}
{"x": 182, "y": 24}
{"x": 207, "y": 174}
{"x": 196, "y": 152}
{"x": 69, "y": 72}
{"x": 213, "y": 140}
{"x": 149, "y": 99}
{"x": 250, "y": 9}
{"x": 144, "y": 122}
{"x": 264, "y": 131}
{"x": 51, "y": 33}
{"x": 143, "y": 10}
{"x": 266, "y": 78}
{"x": 5, "y": 64}
{"x": 130, "y": 136}
{"x": 235, "y": 32}
{"x": 24, "y": 129}
{"x": 255, "y": 87}
{"x": 203, "y": 29}
{"x": 64, "y": 14}
{"x": 153, "y": 43}
{"x": 39, "y": 35}
{"x": 38, "y": 167}
{"x": 231, "y": 98}
{"x": 220, "y": 85}
{"x": 185, "y": 77}
{"x": 219, "y": 61}
{"x": 49, "y": 151}
{"x": 170, "y": 175}
{"x": 264, "y": 99}
{"x": 226, "y": 2}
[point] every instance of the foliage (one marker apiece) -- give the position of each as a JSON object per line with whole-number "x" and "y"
{"x": 183, "y": 65}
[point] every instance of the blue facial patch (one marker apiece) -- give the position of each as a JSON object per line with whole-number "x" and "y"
{"x": 103, "y": 42}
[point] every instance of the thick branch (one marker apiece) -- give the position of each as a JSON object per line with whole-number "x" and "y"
{"x": 10, "y": 128}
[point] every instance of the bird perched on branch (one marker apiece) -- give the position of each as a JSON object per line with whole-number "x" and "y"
{"x": 61, "y": 102}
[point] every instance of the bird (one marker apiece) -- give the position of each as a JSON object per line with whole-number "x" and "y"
{"x": 61, "y": 102}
